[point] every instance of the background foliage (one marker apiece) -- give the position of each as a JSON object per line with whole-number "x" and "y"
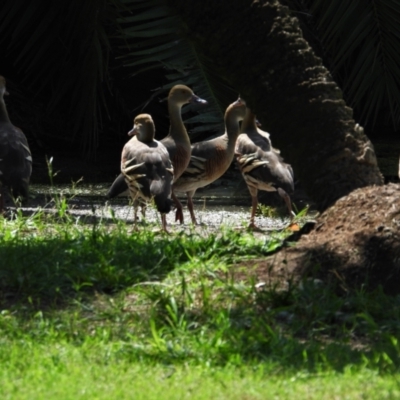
{"x": 78, "y": 72}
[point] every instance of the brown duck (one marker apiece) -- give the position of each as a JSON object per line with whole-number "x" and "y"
{"x": 211, "y": 158}
{"x": 15, "y": 156}
{"x": 177, "y": 141}
{"x": 147, "y": 168}
{"x": 261, "y": 165}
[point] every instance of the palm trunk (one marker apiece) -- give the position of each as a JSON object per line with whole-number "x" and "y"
{"x": 259, "y": 49}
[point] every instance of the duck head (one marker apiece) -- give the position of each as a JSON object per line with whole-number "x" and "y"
{"x": 143, "y": 128}
{"x": 181, "y": 94}
{"x": 237, "y": 109}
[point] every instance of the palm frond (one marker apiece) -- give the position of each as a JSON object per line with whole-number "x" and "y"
{"x": 62, "y": 50}
{"x": 156, "y": 40}
{"x": 361, "y": 41}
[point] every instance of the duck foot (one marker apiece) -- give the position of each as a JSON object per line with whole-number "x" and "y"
{"x": 254, "y": 228}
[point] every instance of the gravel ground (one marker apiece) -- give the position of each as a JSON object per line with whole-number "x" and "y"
{"x": 213, "y": 217}
{"x": 210, "y": 218}
{"x": 221, "y": 204}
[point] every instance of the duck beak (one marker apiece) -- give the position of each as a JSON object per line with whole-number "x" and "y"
{"x": 238, "y": 102}
{"x": 133, "y": 131}
{"x": 197, "y": 99}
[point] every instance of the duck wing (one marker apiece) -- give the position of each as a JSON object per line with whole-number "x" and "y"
{"x": 15, "y": 159}
{"x": 209, "y": 161}
{"x": 148, "y": 172}
{"x": 262, "y": 169}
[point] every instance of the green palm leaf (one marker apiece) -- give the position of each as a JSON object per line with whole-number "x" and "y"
{"x": 361, "y": 41}
{"x": 62, "y": 48}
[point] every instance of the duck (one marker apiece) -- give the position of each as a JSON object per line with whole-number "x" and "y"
{"x": 177, "y": 142}
{"x": 261, "y": 165}
{"x": 147, "y": 168}
{"x": 211, "y": 158}
{"x": 15, "y": 155}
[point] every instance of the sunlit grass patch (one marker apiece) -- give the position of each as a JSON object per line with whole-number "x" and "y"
{"x": 76, "y": 374}
{"x": 80, "y": 301}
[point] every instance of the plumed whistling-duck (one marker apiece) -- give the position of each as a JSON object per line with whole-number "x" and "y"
{"x": 147, "y": 168}
{"x": 15, "y": 156}
{"x": 211, "y": 158}
{"x": 177, "y": 141}
{"x": 261, "y": 165}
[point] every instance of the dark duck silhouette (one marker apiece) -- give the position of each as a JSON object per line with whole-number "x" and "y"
{"x": 147, "y": 168}
{"x": 15, "y": 155}
{"x": 211, "y": 158}
{"x": 261, "y": 165}
{"x": 176, "y": 142}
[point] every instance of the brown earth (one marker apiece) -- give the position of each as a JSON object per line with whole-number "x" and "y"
{"x": 355, "y": 242}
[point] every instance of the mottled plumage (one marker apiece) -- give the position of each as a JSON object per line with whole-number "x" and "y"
{"x": 261, "y": 165}
{"x": 176, "y": 142}
{"x": 211, "y": 158}
{"x": 15, "y": 156}
{"x": 147, "y": 168}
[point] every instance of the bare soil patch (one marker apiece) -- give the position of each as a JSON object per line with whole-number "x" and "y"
{"x": 355, "y": 242}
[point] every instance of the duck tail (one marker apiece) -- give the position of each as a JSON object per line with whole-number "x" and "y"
{"x": 118, "y": 187}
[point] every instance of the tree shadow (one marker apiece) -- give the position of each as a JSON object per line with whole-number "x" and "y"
{"x": 314, "y": 325}
{"x": 314, "y": 307}
{"x": 52, "y": 271}
{"x": 369, "y": 262}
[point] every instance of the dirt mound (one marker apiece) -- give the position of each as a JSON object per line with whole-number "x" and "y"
{"x": 355, "y": 241}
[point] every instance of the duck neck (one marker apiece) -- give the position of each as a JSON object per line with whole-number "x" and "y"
{"x": 146, "y": 137}
{"x": 249, "y": 122}
{"x": 232, "y": 130}
{"x": 3, "y": 111}
{"x": 150, "y": 133}
{"x": 176, "y": 129}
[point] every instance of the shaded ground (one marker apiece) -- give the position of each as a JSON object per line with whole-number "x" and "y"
{"x": 355, "y": 241}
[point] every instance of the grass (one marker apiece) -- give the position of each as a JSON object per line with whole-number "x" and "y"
{"x": 101, "y": 311}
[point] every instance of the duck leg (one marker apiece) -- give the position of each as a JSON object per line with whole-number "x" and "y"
{"x": 136, "y": 204}
{"x": 179, "y": 208}
{"x": 164, "y": 222}
{"x": 254, "y": 203}
{"x": 143, "y": 210}
{"x": 190, "y": 205}
{"x": 286, "y": 197}
{"x": 135, "y": 218}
